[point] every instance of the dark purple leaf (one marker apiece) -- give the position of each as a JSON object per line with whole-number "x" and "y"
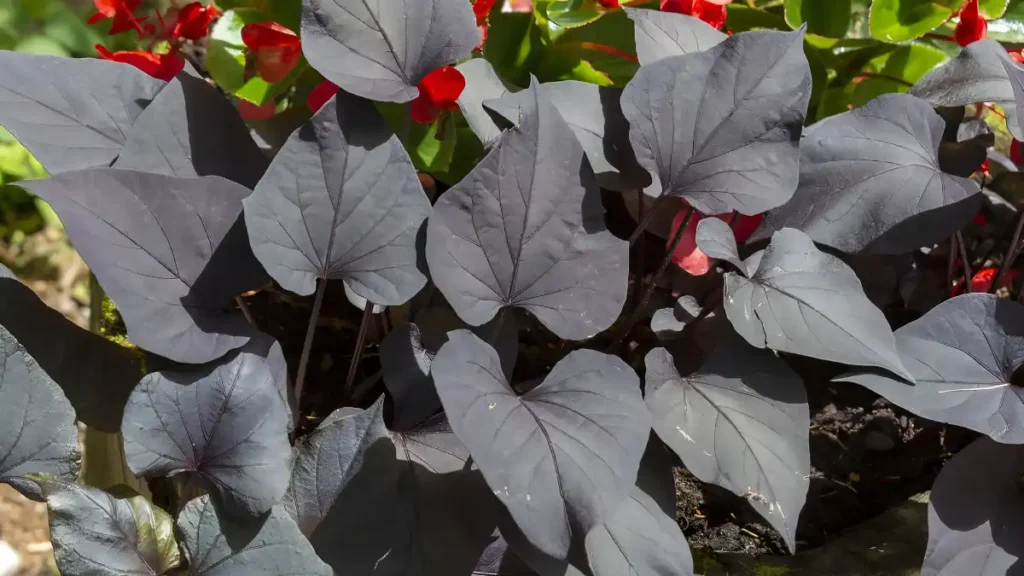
{"x": 804, "y": 301}
{"x": 526, "y": 228}
{"x": 976, "y": 513}
{"x": 962, "y": 355}
{"x": 215, "y": 546}
{"x": 71, "y": 113}
{"x": 381, "y": 51}
{"x": 865, "y": 172}
{"x": 341, "y": 201}
{"x": 663, "y": 34}
{"x": 561, "y": 458}
{"x": 722, "y": 128}
{"x": 95, "y": 374}
{"x": 190, "y": 129}
{"x": 222, "y": 425}
{"x": 741, "y": 422}
{"x": 482, "y": 84}
{"x": 499, "y": 560}
{"x": 170, "y": 252}
{"x": 716, "y": 239}
{"x": 38, "y": 434}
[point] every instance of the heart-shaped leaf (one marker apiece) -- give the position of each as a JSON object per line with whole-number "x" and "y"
{"x": 526, "y": 228}
{"x": 962, "y": 355}
{"x": 382, "y": 51}
{"x": 71, "y": 113}
{"x": 215, "y": 546}
{"x": 381, "y": 502}
{"x": 95, "y": 374}
{"x": 977, "y": 74}
{"x": 975, "y": 513}
{"x": 171, "y": 256}
{"x": 741, "y": 422}
{"x": 94, "y": 532}
{"x": 865, "y": 172}
{"x": 341, "y": 200}
{"x": 190, "y": 130}
{"x": 1016, "y": 76}
{"x": 482, "y": 84}
{"x": 37, "y": 424}
{"x": 804, "y": 301}
{"x": 222, "y": 425}
{"x": 704, "y": 124}
{"x": 663, "y": 34}
{"x": 639, "y": 539}
{"x": 717, "y": 240}
{"x": 563, "y": 456}
{"x": 595, "y": 116}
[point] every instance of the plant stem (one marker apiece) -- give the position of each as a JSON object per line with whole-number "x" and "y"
{"x": 646, "y": 219}
{"x": 96, "y": 296}
{"x": 307, "y": 345}
{"x": 245, "y": 310}
{"x": 966, "y": 262}
{"x": 1011, "y": 253}
{"x": 358, "y": 353}
{"x": 951, "y": 263}
{"x": 638, "y": 278}
{"x": 884, "y": 77}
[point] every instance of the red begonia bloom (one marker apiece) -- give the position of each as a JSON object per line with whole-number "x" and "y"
{"x": 1017, "y": 56}
{"x": 438, "y": 92}
{"x": 249, "y": 111}
{"x": 123, "y": 13}
{"x": 194, "y": 21}
{"x": 983, "y": 279}
{"x": 161, "y": 66}
{"x": 482, "y": 9}
{"x": 609, "y": 4}
{"x": 276, "y": 48}
{"x": 688, "y": 256}
{"x": 319, "y": 96}
{"x": 972, "y": 26}
{"x": 710, "y": 11}
{"x": 1015, "y": 154}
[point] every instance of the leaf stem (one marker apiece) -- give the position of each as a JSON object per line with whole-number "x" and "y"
{"x": 245, "y": 310}
{"x": 641, "y": 263}
{"x": 646, "y": 218}
{"x": 966, "y": 262}
{"x": 358, "y": 353}
{"x": 900, "y": 81}
{"x": 307, "y": 345}
{"x": 1011, "y": 253}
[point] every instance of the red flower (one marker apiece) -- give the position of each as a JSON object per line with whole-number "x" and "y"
{"x": 482, "y": 9}
{"x": 123, "y": 13}
{"x": 319, "y": 96}
{"x": 972, "y": 27}
{"x": 688, "y": 256}
{"x": 1015, "y": 151}
{"x": 983, "y": 279}
{"x": 162, "y": 66}
{"x": 277, "y": 49}
{"x": 1017, "y": 56}
{"x": 194, "y": 21}
{"x": 438, "y": 92}
{"x": 710, "y": 11}
{"x": 250, "y": 111}
{"x": 609, "y": 4}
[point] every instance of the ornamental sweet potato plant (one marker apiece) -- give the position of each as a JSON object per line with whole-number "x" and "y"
{"x": 533, "y": 392}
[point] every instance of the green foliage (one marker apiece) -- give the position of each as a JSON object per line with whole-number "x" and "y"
{"x": 902, "y": 20}
{"x": 829, "y": 18}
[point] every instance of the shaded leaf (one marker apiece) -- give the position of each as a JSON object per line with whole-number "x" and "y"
{"x": 962, "y": 355}
{"x": 663, "y": 34}
{"x": 1015, "y": 74}
{"x": 172, "y": 256}
{"x": 526, "y": 228}
{"x": 807, "y": 302}
{"x": 595, "y": 117}
{"x": 498, "y": 559}
{"x": 71, "y": 113}
{"x": 977, "y": 74}
{"x": 974, "y": 513}
{"x": 829, "y": 18}
{"x": 221, "y": 425}
{"x": 95, "y": 374}
{"x": 717, "y": 240}
{"x": 95, "y": 533}
{"x": 705, "y": 124}
{"x": 382, "y": 51}
{"x": 341, "y": 200}
{"x": 741, "y": 422}
{"x": 190, "y": 129}
{"x": 668, "y": 322}
{"x": 38, "y": 434}
{"x": 638, "y": 540}
{"x": 214, "y": 545}
{"x": 896, "y": 71}
{"x": 902, "y": 20}
{"x": 561, "y": 457}
{"x": 482, "y": 84}
{"x": 855, "y": 190}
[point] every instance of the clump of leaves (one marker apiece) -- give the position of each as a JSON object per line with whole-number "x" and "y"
{"x": 509, "y": 432}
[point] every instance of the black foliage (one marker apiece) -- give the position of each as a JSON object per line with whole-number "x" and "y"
{"x": 506, "y": 434}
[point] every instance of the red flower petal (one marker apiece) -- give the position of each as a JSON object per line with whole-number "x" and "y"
{"x": 194, "y": 21}
{"x": 319, "y": 96}
{"x": 264, "y": 35}
{"x": 1015, "y": 151}
{"x": 686, "y": 255}
{"x": 424, "y": 111}
{"x": 438, "y": 92}
{"x": 983, "y": 279}
{"x": 161, "y": 66}
{"x": 1017, "y": 56}
{"x": 609, "y": 4}
{"x": 972, "y": 26}
{"x": 250, "y": 111}
{"x": 482, "y": 9}
{"x": 711, "y": 11}
{"x": 274, "y": 65}
{"x": 744, "y": 226}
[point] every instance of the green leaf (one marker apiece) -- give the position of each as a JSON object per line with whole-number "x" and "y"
{"x": 468, "y": 151}
{"x": 574, "y": 13}
{"x": 287, "y": 13}
{"x": 38, "y": 44}
{"x": 428, "y": 153}
{"x": 992, "y": 9}
{"x": 608, "y": 47}
{"x": 259, "y": 91}
{"x": 902, "y": 68}
{"x": 513, "y": 45}
{"x": 70, "y": 30}
{"x": 225, "y": 57}
{"x": 829, "y": 18}
{"x": 740, "y": 18}
{"x": 902, "y": 20}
